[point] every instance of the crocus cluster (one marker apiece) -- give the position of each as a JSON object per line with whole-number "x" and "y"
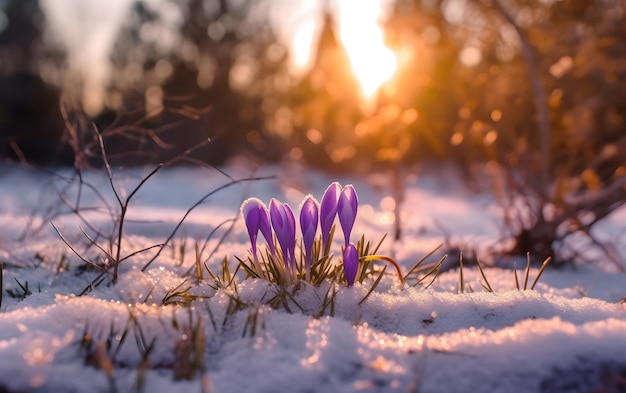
{"x": 279, "y": 221}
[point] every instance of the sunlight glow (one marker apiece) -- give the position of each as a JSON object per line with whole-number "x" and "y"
{"x": 373, "y": 63}
{"x": 302, "y": 44}
{"x": 297, "y": 23}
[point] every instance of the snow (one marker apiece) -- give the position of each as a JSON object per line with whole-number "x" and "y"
{"x": 567, "y": 335}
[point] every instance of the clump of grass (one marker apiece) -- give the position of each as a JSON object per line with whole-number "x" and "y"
{"x": 189, "y": 350}
{"x": 255, "y": 321}
{"x": 97, "y": 352}
{"x": 225, "y": 279}
{"x": 101, "y": 350}
{"x": 487, "y": 286}
{"x": 180, "y": 295}
{"x": 20, "y": 293}
{"x": 63, "y": 264}
{"x": 329, "y": 301}
{"x": 543, "y": 267}
{"x": 179, "y": 249}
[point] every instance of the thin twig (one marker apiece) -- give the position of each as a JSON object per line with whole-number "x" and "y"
{"x": 232, "y": 222}
{"x": 210, "y": 235}
{"x": 195, "y": 205}
{"x": 95, "y": 243}
{"x": 74, "y": 250}
{"x": 132, "y": 254}
{"x": 224, "y": 236}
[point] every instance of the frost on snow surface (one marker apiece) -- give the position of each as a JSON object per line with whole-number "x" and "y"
{"x": 567, "y": 335}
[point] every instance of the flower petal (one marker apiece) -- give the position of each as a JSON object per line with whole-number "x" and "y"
{"x": 346, "y": 210}
{"x": 308, "y": 222}
{"x": 266, "y": 229}
{"x": 291, "y": 233}
{"x": 284, "y": 225}
{"x": 277, "y": 216}
{"x": 350, "y": 263}
{"x": 328, "y": 210}
{"x": 250, "y": 209}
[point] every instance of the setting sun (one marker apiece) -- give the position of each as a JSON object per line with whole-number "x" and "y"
{"x": 372, "y": 62}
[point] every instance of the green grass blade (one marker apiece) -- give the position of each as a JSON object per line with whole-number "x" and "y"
{"x": 214, "y": 276}
{"x": 328, "y": 267}
{"x": 225, "y": 271}
{"x": 421, "y": 260}
{"x": 361, "y": 247}
{"x": 375, "y": 250}
{"x": 247, "y": 268}
{"x": 234, "y": 277}
{"x": 380, "y": 276}
{"x": 386, "y": 259}
{"x": 487, "y": 286}
{"x": 199, "y": 275}
{"x": 328, "y": 299}
{"x": 543, "y": 267}
{"x": 462, "y": 288}
{"x": 330, "y": 240}
{"x": 211, "y": 317}
{"x": 527, "y": 270}
{"x": 290, "y": 296}
{"x": 146, "y": 298}
{"x": 364, "y": 270}
{"x": 434, "y": 271}
{"x": 24, "y": 287}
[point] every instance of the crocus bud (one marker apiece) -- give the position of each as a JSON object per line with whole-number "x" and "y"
{"x": 308, "y": 225}
{"x": 256, "y": 217}
{"x": 346, "y": 210}
{"x": 253, "y": 210}
{"x": 284, "y": 224}
{"x": 328, "y": 210}
{"x": 350, "y": 263}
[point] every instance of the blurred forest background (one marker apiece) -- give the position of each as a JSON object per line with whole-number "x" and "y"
{"x": 530, "y": 93}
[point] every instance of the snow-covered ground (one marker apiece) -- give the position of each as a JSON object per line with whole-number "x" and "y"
{"x": 568, "y": 335}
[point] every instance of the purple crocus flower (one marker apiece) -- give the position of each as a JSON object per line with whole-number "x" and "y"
{"x": 328, "y": 210}
{"x": 250, "y": 209}
{"x": 284, "y": 224}
{"x": 350, "y": 263}
{"x": 346, "y": 210}
{"x": 308, "y": 225}
{"x": 255, "y": 216}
